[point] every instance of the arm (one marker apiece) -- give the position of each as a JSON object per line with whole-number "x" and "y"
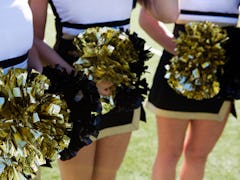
{"x": 34, "y": 61}
{"x": 46, "y": 53}
{"x": 164, "y": 10}
{"x": 157, "y": 31}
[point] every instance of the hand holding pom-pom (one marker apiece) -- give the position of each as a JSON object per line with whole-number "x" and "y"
{"x": 113, "y": 56}
{"x": 199, "y": 62}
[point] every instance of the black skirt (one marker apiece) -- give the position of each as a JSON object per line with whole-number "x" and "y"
{"x": 114, "y": 123}
{"x": 165, "y": 102}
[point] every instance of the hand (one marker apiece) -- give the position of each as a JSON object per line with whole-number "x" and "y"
{"x": 105, "y": 88}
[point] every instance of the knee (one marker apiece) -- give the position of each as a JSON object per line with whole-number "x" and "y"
{"x": 170, "y": 155}
{"x": 195, "y": 154}
{"x": 104, "y": 174}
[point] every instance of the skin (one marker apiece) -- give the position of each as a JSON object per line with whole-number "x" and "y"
{"x": 157, "y": 31}
{"x": 46, "y": 53}
{"x": 165, "y": 10}
{"x": 105, "y": 87}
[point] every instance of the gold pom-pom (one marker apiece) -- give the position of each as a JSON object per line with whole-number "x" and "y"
{"x": 105, "y": 54}
{"x": 33, "y": 124}
{"x": 200, "y": 58}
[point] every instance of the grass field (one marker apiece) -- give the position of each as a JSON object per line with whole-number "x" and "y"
{"x": 223, "y": 162}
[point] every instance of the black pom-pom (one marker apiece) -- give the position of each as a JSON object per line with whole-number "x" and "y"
{"x": 83, "y": 100}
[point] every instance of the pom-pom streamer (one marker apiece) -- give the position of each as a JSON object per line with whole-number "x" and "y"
{"x": 32, "y": 124}
{"x": 118, "y": 57}
{"x": 199, "y": 62}
{"x": 83, "y": 102}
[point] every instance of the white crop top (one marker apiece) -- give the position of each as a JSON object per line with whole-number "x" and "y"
{"x": 91, "y": 12}
{"x": 218, "y": 11}
{"x": 16, "y": 28}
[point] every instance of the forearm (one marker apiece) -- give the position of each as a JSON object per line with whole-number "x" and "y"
{"x": 164, "y": 10}
{"x": 34, "y": 61}
{"x": 157, "y": 31}
{"x": 49, "y": 56}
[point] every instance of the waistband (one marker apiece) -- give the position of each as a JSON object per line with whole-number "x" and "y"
{"x": 13, "y": 61}
{"x": 223, "y": 19}
{"x": 181, "y": 24}
{"x": 217, "y": 14}
{"x": 85, "y": 26}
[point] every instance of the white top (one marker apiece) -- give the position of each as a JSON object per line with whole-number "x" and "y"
{"x": 16, "y": 28}
{"x": 217, "y": 11}
{"x": 91, "y": 11}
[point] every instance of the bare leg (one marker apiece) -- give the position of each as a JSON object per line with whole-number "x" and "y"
{"x": 201, "y": 139}
{"x": 79, "y": 167}
{"x": 171, "y": 134}
{"x": 38, "y": 175}
{"x": 109, "y": 155}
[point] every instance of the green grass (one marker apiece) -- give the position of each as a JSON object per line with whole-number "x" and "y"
{"x": 223, "y": 162}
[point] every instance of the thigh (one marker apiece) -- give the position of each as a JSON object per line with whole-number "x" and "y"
{"x": 110, "y": 152}
{"x": 203, "y": 135}
{"x": 38, "y": 175}
{"x": 171, "y": 135}
{"x": 79, "y": 167}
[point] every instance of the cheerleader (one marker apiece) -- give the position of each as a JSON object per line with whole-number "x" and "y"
{"x": 187, "y": 126}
